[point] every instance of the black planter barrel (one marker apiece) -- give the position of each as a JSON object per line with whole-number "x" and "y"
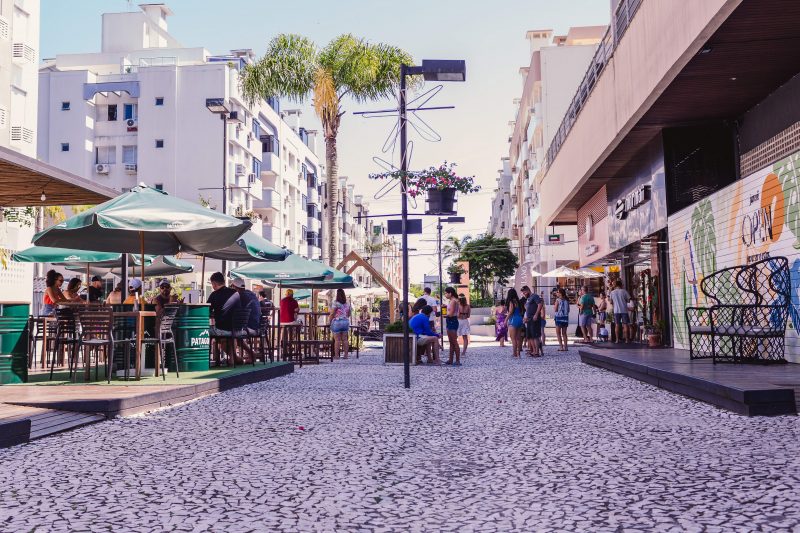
{"x": 455, "y": 278}
{"x": 14, "y": 342}
{"x": 441, "y": 202}
{"x": 191, "y": 338}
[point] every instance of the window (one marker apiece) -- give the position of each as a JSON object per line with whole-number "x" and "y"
{"x": 159, "y": 186}
{"x": 64, "y": 106}
{"x": 256, "y": 129}
{"x": 256, "y": 167}
{"x": 131, "y": 111}
{"x": 129, "y": 155}
{"x": 112, "y": 112}
{"x": 159, "y": 143}
{"x": 159, "y": 100}
{"x": 106, "y": 155}
{"x": 65, "y": 147}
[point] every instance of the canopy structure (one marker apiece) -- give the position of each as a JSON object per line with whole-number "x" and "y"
{"x": 65, "y": 256}
{"x": 337, "y": 280}
{"x": 162, "y": 265}
{"x": 148, "y": 221}
{"x": 293, "y": 268}
{"x": 587, "y": 273}
{"x": 24, "y": 181}
{"x": 563, "y": 272}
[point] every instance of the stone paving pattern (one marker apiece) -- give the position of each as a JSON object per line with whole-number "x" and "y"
{"x": 496, "y": 445}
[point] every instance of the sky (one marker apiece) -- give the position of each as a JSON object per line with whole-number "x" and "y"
{"x": 489, "y": 36}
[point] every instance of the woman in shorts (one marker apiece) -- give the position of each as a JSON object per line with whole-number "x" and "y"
{"x": 340, "y": 324}
{"x": 464, "y": 312}
{"x": 561, "y": 318}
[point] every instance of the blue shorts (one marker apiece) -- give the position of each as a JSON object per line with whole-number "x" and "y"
{"x": 451, "y": 323}
{"x": 622, "y": 318}
{"x": 340, "y": 325}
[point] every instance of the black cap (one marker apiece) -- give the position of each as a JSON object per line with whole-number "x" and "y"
{"x": 97, "y": 278}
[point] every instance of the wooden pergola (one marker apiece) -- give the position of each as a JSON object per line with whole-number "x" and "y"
{"x": 358, "y": 261}
{"x": 23, "y": 180}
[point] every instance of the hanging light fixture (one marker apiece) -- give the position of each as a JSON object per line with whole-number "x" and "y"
{"x": 43, "y": 197}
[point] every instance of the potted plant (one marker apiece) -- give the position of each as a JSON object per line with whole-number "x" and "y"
{"x": 654, "y": 334}
{"x": 455, "y": 271}
{"x": 440, "y": 184}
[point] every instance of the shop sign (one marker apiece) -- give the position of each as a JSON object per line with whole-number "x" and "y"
{"x": 631, "y": 201}
{"x": 556, "y": 238}
{"x": 200, "y": 340}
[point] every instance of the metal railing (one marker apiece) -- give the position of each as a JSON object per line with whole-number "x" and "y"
{"x": 623, "y": 16}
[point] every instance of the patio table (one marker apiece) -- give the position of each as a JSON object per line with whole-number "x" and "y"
{"x": 140, "y": 317}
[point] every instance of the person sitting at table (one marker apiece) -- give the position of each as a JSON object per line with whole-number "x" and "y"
{"x": 224, "y": 301}
{"x": 52, "y": 294}
{"x": 290, "y": 309}
{"x": 248, "y": 300}
{"x": 96, "y": 289}
{"x": 73, "y": 289}
{"x": 134, "y": 290}
{"x": 427, "y": 339}
{"x": 163, "y": 297}
{"x": 115, "y": 298}
{"x": 264, "y": 301}
{"x": 364, "y": 319}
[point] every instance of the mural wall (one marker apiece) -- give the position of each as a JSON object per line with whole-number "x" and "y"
{"x": 752, "y": 219}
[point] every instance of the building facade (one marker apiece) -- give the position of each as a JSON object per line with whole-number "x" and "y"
{"x": 136, "y": 112}
{"x": 19, "y": 53}
{"x": 557, "y": 65}
{"x": 678, "y": 154}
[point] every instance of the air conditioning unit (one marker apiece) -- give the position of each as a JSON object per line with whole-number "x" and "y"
{"x": 240, "y": 169}
{"x": 235, "y": 116}
{"x": 102, "y": 168}
{"x": 131, "y": 168}
{"x": 132, "y": 124}
{"x": 251, "y": 178}
{"x": 251, "y": 136}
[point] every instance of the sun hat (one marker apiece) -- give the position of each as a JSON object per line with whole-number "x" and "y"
{"x": 135, "y": 283}
{"x": 164, "y": 283}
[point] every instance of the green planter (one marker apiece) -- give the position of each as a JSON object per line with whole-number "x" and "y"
{"x": 14, "y": 342}
{"x": 192, "y": 338}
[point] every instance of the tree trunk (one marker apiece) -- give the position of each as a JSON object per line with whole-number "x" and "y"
{"x": 331, "y": 219}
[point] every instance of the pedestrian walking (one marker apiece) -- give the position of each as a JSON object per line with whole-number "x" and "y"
{"x": 451, "y": 325}
{"x": 561, "y": 318}
{"x": 501, "y": 323}
{"x": 464, "y": 312}
{"x": 620, "y": 298}
{"x": 340, "y": 324}
{"x": 434, "y": 303}
{"x": 534, "y": 308}
{"x": 514, "y": 310}
{"x": 586, "y": 309}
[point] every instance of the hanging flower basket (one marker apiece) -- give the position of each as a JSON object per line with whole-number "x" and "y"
{"x": 441, "y": 201}
{"x": 440, "y": 184}
{"x": 455, "y": 271}
{"x": 455, "y": 278}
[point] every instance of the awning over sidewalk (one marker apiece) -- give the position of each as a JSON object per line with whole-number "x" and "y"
{"x": 23, "y": 180}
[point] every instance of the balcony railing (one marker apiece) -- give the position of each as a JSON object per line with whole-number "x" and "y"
{"x": 605, "y": 50}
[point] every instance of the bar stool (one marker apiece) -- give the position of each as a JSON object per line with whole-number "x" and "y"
{"x": 96, "y": 335}
{"x": 66, "y": 337}
{"x": 165, "y": 336}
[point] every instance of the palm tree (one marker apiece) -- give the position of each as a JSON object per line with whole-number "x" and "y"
{"x": 454, "y": 246}
{"x": 294, "y": 68}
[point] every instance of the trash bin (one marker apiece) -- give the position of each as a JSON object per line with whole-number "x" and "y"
{"x": 192, "y": 339}
{"x": 14, "y": 342}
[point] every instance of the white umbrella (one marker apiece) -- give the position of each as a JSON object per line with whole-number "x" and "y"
{"x": 589, "y": 273}
{"x": 563, "y": 272}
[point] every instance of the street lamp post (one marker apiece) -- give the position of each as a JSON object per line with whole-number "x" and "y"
{"x": 449, "y": 220}
{"x": 431, "y": 70}
{"x": 218, "y": 107}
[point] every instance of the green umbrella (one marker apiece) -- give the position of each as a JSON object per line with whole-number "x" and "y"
{"x": 302, "y": 294}
{"x": 293, "y": 268}
{"x": 163, "y": 265}
{"x": 149, "y": 221}
{"x": 250, "y": 247}
{"x": 336, "y": 280}
{"x": 64, "y": 256}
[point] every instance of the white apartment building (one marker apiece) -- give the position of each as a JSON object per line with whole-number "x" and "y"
{"x": 136, "y": 112}
{"x": 19, "y": 50}
{"x": 557, "y": 66}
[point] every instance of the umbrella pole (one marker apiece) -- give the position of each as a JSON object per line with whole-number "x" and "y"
{"x": 141, "y": 243}
{"x": 203, "y": 279}
{"x": 279, "y": 321}
{"x": 88, "y": 283}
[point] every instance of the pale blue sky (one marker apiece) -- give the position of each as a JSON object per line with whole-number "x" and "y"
{"x": 490, "y": 36}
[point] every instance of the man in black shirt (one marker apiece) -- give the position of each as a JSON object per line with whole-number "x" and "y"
{"x": 96, "y": 289}
{"x": 224, "y": 302}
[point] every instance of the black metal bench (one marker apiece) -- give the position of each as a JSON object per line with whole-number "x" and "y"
{"x": 747, "y": 322}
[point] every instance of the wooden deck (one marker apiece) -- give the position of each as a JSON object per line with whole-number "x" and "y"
{"x": 28, "y": 412}
{"x": 742, "y": 388}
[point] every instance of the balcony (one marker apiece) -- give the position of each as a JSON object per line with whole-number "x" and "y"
{"x": 269, "y": 204}
{"x": 22, "y": 53}
{"x": 131, "y": 168}
{"x": 270, "y": 164}
{"x": 313, "y": 196}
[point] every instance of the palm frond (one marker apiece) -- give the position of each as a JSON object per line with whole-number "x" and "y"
{"x": 326, "y": 101}
{"x": 287, "y": 70}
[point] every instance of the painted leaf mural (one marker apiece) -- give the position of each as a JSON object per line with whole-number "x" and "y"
{"x": 704, "y": 237}
{"x": 789, "y": 179}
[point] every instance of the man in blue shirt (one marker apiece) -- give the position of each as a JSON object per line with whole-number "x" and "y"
{"x": 420, "y": 325}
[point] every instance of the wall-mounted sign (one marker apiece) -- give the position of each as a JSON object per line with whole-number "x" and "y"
{"x": 555, "y": 238}
{"x": 631, "y": 201}
{"x": 590, "y": 250}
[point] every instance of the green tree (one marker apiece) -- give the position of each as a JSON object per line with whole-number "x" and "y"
{"x": 489, "y": 258}
{"x": 294, "y": 67}
{"x": 453, "y": 246}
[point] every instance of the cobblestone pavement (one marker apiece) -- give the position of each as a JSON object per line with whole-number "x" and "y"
{"x": 496, "y": 445}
